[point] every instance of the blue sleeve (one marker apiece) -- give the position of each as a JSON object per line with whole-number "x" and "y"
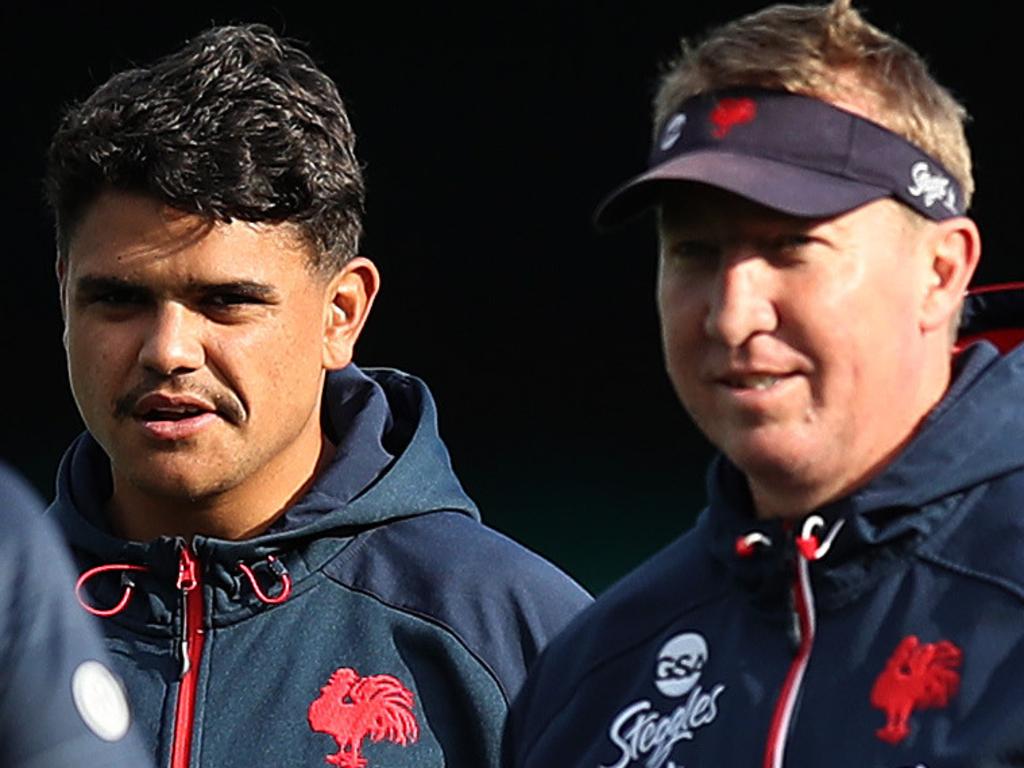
{"x": 60, "y": 705}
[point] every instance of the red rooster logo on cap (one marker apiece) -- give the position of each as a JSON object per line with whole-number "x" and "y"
{"x": 916, "y": 676}
{"x": 728, "y": 113}
{"x": 351, "y": 707}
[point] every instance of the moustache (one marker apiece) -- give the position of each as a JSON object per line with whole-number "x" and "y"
{"x": 224, "y": 403}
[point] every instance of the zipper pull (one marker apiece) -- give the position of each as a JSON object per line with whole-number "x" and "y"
{"x": 188, "y": 580}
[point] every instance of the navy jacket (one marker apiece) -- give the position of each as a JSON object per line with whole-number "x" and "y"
{"x": 884, "y": 631}
{"x": 60, "y": 706}
{"x": 378, "y": 623}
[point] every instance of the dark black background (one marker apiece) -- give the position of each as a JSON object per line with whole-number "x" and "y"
{"x": 488, "y": 133}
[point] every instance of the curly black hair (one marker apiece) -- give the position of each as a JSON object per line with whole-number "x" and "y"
{"x": 237, "y": 124}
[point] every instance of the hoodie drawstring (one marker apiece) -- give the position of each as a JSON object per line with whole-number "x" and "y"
{"x": 126, "y": 581}
{"x": 275, "y": 565}
{"x": 810, "y": 546}
{"x": 746, "y": 545}
{"x": 807, "y": 543}
{"x": 278, "y": 569}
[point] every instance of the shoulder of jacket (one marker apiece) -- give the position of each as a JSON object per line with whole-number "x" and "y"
{"x": 681, "y": 577}
{"x": 501, "y": 601}
{"x": 985, "y": 535}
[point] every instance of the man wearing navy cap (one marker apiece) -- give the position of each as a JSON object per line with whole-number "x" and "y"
{"x": 852, "y": 595}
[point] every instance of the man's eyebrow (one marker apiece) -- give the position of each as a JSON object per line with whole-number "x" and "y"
{"x": 249, "y": 288}
{"x": 92, "y": 285}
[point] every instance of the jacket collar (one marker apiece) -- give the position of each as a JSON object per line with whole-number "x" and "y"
{"x": 897, "y": 510}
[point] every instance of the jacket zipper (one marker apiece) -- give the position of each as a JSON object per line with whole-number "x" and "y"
{"x": 191, "y": 649}
{"x": 803, "y": 615}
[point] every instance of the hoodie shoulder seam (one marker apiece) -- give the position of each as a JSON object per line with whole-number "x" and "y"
{"x": 961, "y": 570}
{"x": 429, "y": 619}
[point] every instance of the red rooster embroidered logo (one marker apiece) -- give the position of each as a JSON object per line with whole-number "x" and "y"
{"x": 351, "y": 708}
{"x": 915, "y": 677}
{"x": 728, "y": 113}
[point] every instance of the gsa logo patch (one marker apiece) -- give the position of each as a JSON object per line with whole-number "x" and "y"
{"x": 644, "y": 735}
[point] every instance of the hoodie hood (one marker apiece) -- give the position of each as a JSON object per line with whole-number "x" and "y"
{"x": 384, "y": 425}
{"x": 965, "y": 434}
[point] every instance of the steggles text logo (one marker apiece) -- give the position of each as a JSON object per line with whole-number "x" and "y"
{"x": 641, "y": 732}
{"x": 933, "y": 187}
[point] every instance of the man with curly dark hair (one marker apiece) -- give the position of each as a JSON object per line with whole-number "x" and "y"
{"x": 255, "y": 518}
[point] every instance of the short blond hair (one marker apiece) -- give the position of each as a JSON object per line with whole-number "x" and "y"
{"x": 829, "y": 52}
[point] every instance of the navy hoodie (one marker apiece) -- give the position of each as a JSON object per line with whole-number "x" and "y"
{"x": 376, "y": 623}
{"x": 885, "y": 630}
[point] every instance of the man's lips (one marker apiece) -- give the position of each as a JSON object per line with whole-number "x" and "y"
{"x": 177, "y": 429}
{"x": 174, "y": 411}
{"x": 173, "y": 417}
{"x": 167, "y": 407}
{"x": 755, "y": 380}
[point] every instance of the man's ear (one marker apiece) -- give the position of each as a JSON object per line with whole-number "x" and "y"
{"x": 953, "y": 249}
{"x": 350, "y": 295}
{"x": 61, "y": 269}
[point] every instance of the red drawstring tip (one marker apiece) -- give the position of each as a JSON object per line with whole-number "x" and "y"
{"x": 744, "y": 548}
{"x": 808, "y": 546}
{"x": 746, "y": 545}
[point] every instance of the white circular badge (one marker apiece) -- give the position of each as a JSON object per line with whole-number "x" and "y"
{"x": 100, "y": 700}
{"x": 680, "y": 663}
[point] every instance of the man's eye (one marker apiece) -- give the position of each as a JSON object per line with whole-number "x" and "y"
{"x": 230, "y": 299}
{"x": 120, "y": 298}
{"x": 791, "y": 242}
{"x": 694, "y": 250}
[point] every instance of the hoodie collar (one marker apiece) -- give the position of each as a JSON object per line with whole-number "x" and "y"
{"x": 356, "y": 417}
{"x": 901, "y": 505}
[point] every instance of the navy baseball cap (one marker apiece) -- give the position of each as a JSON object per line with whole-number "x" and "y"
{"x": 795, "y": 154}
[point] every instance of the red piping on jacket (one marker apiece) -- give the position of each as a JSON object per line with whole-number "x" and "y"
{"x": 192, "y": 651}
{"x": 809, "y": 548}
{"x": 775, "y": 748}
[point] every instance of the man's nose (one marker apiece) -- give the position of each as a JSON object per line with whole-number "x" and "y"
{"x": 742, "y": 302}
{"x": 173, "y": 342}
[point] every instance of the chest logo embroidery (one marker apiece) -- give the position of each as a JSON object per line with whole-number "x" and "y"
{"x": 642, "y": 733}
{"x": 351, "y": 708}
{"x": 916, "y": 676}
{"x": 728, "y": 113}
